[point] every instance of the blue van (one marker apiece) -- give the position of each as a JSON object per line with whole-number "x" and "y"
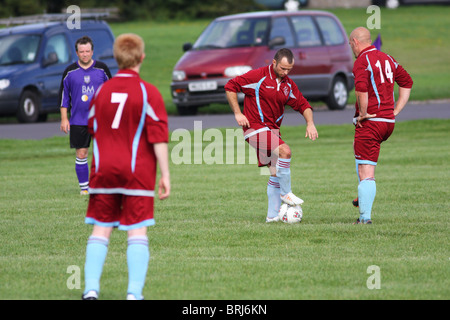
{"x": 33, "y": 58}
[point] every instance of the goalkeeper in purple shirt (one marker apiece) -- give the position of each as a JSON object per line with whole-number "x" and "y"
{"x": 79, "y": 83}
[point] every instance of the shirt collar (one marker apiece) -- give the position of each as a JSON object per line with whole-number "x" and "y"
{"x": 127, "y": 73}
{"x": 369, "y": 48}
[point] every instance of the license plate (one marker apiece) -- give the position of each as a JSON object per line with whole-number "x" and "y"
{"x": 203, "y": 86}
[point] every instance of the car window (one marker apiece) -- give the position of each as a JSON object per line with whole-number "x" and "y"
{"x": 233, "y": 33}
{"x": 331, "y": 32}
{"x": 16, "y": 49}
{"x": 57, "y": 45}
{"x": 306, "y": 31}
{"x": 281, "y": 28}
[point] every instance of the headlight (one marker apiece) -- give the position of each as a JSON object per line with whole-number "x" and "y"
{"x": 178, "y": 75}
{"x": 232, "y": 72}
{"x": 4, "y": 83}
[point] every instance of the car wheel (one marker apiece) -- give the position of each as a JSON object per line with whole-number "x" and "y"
{"x": 29, "y": 106}
{"x": 338, "y": 96}
{"x": 187, "y": 111}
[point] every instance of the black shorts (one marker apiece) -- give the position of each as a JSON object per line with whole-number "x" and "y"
{"x": 79, "y": 137}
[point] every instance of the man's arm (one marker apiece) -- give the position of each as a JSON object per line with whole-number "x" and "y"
{"x": 162, "y": 155}
{"x": 311, "y": 131}
{"x": 363, "y": 101}
{"x": 402, "y": 99}
{"x": 234, "y": 105}
{"x": 65, "y": 125}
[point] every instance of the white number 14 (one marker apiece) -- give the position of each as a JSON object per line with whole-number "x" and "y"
{"x": 387, "y": 71}
{"x": 119, "y": 98}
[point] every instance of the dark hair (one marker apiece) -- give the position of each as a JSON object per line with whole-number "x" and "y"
{"x": 84, "y": 40}
{"x": 284, "y": 53}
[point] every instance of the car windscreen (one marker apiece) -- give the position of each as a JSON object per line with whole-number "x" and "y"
{"x": 234, "y": 33}
{"x": 18, "y": 48}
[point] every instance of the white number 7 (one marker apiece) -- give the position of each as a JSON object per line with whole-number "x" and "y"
{"x": 119, "y": 98}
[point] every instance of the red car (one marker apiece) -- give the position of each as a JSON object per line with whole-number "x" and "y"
{"x": 234, "y": 44}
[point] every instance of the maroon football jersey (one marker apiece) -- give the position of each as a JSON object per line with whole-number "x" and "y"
{"x": 127, "y": 116}
{"x": 265, "y": 98}
{"x": 376, "y": 73}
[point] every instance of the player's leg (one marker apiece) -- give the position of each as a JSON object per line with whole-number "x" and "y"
{"x": 138, "y": 256}
{"x": 82, "y": 169}
{"x": 283, "y": 172}
{"x": 80, "y": 140}
{"x": 367, "y": 150}
{"x": 137, "y": 215}
{"x": 366, "y": 191}
{"x": 96, "y": 251}
{"x": 103, "y": 213}
{"x": 273, "y": 196}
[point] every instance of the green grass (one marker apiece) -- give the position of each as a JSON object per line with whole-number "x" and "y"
{"x": 210, "y": 240}
{"x": 416, "y": 36}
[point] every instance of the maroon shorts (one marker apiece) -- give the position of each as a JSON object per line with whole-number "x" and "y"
{"x": 369, "y": 138}
{"x": 118, "y": 210}
{"x": 265, "y": 142}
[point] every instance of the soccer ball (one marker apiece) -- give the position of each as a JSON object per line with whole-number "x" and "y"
{"x": 290, "y": 214}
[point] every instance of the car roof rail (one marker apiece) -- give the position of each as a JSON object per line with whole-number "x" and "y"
{"x": 50, "y": 17}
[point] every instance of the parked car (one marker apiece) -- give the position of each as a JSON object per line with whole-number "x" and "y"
{"x": 33, "y": 58}
{"x": 234, "y": 44}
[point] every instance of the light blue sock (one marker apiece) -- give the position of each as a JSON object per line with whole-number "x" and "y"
{"x": 96, "y": 251}
{"x": 273, "y": 195}
{"x": 138, "y": 256}
{"x": 367, "y": 190}
{"x": 284, "y": 175}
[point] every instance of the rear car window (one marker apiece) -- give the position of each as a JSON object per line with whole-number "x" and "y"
{"x": 281, "y": 28}
{"x": 306, "y": 31}
{"x": 331, "y": 31}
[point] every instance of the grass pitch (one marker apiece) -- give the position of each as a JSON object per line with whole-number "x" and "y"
{"x": 210, "y": 240}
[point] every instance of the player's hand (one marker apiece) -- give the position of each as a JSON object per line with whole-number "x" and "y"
{"x": 361, "y": 118}
{"x": 242, "y": 120}
{"x": 311, "y": 132}
{"x": 65, "y": 126}
{"x": 164, "y": 188}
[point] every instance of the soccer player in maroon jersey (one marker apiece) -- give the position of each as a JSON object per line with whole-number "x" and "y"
{"x": 128, "y": 123}
{"x": 375, "y": 75}
{"x": 267, "y": 90}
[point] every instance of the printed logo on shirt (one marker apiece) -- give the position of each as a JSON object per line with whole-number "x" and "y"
{"x": 87, "y": 91}
{"x": 270, "y": 87}
{"x": 87, "y": 79}
{"x": 286, "y": 91}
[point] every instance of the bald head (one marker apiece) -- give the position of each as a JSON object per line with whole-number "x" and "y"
{"x": 359, "y": 39}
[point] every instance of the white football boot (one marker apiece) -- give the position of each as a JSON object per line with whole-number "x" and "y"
{"x": 291, "y": 199}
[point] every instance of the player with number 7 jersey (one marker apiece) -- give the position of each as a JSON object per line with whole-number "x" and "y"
{"x": 127, "y": 117}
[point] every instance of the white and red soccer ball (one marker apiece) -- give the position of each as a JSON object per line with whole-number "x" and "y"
{"x": 290, "y": 214}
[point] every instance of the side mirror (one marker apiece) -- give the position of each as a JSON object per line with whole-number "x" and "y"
{"x": 277, "y": 41}
{"x": 187, "y": 46}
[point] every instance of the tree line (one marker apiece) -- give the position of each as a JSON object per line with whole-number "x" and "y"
{"x": 134, "y": 9}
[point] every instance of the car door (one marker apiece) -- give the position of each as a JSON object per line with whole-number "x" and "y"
{"x": 54, "y": 59}
{"x": 313, "y": 64}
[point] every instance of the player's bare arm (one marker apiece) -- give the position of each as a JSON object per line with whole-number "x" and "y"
{"x": 162, "y": 155}
{"x": 311, "y": 131}
{"x": 65, "y": 125}
{"x": 363, "y": 100}
{"x": 234, "y": 105}
{"x": 403, "y": 97}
